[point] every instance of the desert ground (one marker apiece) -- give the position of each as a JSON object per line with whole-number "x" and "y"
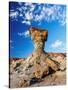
{"x": 53, "y": 78}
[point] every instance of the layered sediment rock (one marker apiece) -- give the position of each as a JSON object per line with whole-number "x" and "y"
{"x": 38, "y": 64}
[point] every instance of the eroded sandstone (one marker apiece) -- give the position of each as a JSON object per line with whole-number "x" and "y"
{"x": 37, "y": 65}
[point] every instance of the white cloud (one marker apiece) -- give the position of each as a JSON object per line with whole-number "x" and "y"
{"x": 26, "y": 22}
{"x": 13, "y": 14}
{"x": 31, "y": 5}
{"x": 20, "y": 3}
{"x": 11, "y": 10}
{"x": 39, "y": 17}
{"x": 56, "y": 44}
{"x": 11, "y": 41}
{"x": 25, "y": 34}
{"x": 52, "y": 13}
{"x": 44, "y": 12}
{"x": 28, "y": 16}
{"x": 64, "y": 47}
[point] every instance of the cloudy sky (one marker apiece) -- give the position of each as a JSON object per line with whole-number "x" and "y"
{"x": 45, "y": 16}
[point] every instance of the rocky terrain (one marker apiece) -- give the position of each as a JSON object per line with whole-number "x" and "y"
{"x": 40, "y": 68}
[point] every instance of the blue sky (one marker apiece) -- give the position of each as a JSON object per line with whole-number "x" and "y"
{"x": 45, "y": 16}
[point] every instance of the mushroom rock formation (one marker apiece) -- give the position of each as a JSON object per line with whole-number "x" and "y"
{"x": 38, "y": 64}
{"x": 39, "y": 36}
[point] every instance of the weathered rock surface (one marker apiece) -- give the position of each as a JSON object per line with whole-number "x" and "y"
{"x": 38, "y": 65}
